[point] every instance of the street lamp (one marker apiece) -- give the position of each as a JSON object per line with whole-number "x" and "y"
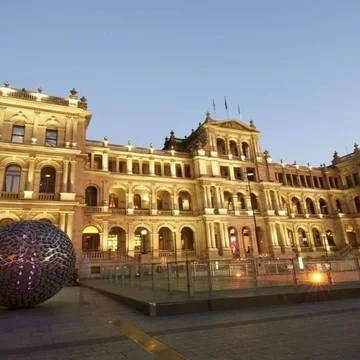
{"x": 253, "y": 212}
{"x": 143, "y": 234}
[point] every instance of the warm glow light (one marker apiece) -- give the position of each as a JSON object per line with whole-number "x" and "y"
{"x": 238, "y": 275}
{"x": 143, "y": 232}
{"x": 317, "y": 277}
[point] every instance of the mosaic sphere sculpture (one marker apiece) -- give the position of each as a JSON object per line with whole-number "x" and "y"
{"x": 36, "y": 261}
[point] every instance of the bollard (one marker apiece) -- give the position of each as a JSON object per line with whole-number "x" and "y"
{"x": 169, "y": 273}
{"x": 189, "y": 279}
{"x": 209, "y": 274}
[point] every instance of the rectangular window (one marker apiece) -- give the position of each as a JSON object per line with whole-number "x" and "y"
{"x": 295, "y": 180}
{"x": 281, "y": 178}
{"x": 308, "y": 181}
{"x": 51, "y": 138}
{"x": 288, "y": 180}
{"x": 336, "y": 183}
{"x": 321, "y": 182}
{"x": 18, "y": 134}
{"x": 331, "y": 180}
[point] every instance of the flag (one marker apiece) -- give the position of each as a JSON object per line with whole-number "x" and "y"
{"x": 214, "y": 104}
{"x": 226, "y": 104}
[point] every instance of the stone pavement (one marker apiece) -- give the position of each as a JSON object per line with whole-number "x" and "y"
{"x": 64, "y": 328}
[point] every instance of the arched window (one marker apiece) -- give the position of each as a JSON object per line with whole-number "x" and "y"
{"x": 357, "y": 203}
{"x": 91, "y": 196}
{"x": 245, "y": 150}
{"x": 46, "y": 221}
{"x": 310, "y": 206}
{"x": 330, "y": 238}
{"x": 220, "y": 145}
{"x": 323, "y": 207}
{"x": 296, "y": 207}
{"x": 317, "y": 237}
{"x": 159, "y": 202}
{"x": 303, "y": 240}
{"x": 12, "y": 178}
{"x": 254, "y": 202}
{"x": 338, "y": 206}
{"x": 113, "y": 201}
{"x": 137, "y": 201}
{"x": 47, "y": 180}
{"x": 241, "y": 202}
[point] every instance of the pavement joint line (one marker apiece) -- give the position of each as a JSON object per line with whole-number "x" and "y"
{"x": 154, "y": 347}
{"x": 61, "y": 345}
{"x": 251, "y": 322}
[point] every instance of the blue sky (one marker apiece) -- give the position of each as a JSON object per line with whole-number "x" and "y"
{"x": 149, "y": 67}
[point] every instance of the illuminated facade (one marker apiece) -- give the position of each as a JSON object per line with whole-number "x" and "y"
{"x": 199, "y": 196}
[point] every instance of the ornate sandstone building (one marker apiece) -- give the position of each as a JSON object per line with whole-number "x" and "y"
{"x": 211, "y": 194}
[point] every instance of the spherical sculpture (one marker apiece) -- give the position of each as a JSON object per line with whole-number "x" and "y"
{"x": 36, "y": 261}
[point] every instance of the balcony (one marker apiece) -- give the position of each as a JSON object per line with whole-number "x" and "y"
{"x": 5, "y": 195}
{"x": 93, "y": 209}
{"x": 47, "y": 197}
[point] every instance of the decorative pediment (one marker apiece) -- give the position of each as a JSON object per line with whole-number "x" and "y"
{"x": 234, "y": 125}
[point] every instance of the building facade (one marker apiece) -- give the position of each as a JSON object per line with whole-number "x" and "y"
{"x": 212, "y": 194}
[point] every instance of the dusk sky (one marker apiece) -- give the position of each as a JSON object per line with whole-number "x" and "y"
{"x": 149, "y": 67}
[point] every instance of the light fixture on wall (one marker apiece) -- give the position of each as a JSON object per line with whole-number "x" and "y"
{"x": 143, "y": 234}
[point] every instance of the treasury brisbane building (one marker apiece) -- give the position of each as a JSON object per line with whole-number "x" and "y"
{"x": 212, "y": 194}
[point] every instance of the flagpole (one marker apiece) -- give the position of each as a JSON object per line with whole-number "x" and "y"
{"x": 226, "y": 107}
{"x": 239, "y": 112}
{"x": 214, "y": 108}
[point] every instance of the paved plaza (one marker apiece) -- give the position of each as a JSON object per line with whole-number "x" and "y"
{"x": 90, "y": 326}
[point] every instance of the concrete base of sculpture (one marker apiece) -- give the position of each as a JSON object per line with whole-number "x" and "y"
{"x": 36, "y": 261}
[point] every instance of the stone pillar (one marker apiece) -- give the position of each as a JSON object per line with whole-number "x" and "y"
{"x": 182, "y": 169}
{"x": 212, "y": 232}
{"x": 72, "y": 176}
{"x": 69, "y": 225}
{"x": 235, "y": 202}
{"x": 117, "y": 164}
{"x": 74, "y": 132}
{"x": 92, "y": 159}
{"x": 64, "y": 184}
{"x": 129, "y": 165}
{"x": 162, "y": 168}
{"x": 140, "y": 167}
{"x": 222, "y": 236}
{"x": 173, "y": 169}
{"x": 208, "y": 236}
{"x": 30, "y": 182}
{"x": 152, "y": 167}
{"x": 36, "y": 124}
{"x": 155, "y": 244}
{"x": 2, "y": 117}
{"x": 231, "y": 172}
{"x": 62, "y": 221}
{"x": 206, "y": 200}
{"x": 105, "y": 161}
{"x": 105, "y": 235}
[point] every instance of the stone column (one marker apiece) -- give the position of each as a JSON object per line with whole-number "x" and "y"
{"x": 74, "y": 132}
{"x": 72, "y": 176}
{"x": 105, "y": 235}
{"x": 162, "y": 168}
{"x": 152, "y": 167}
{"x": 117, "y": 164}
{"x": 30, "y": 182}
{"x": 2, "y": 117}
{"x": 69, "y": 225}
{"x": 36, "y": 124}
{"x": 64, "y": 184}
{"x": 182, "y": 169}
{"x": 105, "y": 161}
{"x": 222, "y": 236}
{"x": 173, "y": 169}
{"x": 208, "y": 236}
{"x": 212, "y": 232}
{"x": 206, "y": 200}
{"x": 140, "y": 167}
{"x": 62, "y": 221}
{"x": 129, "y": 165}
